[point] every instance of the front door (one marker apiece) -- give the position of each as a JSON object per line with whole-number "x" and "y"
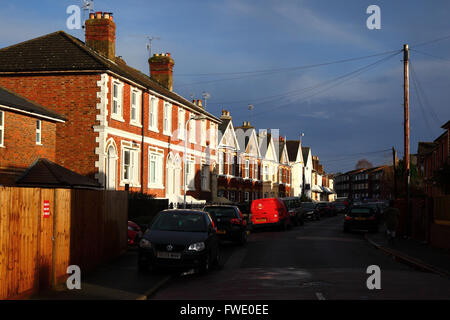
{"x": 111, "y": 175}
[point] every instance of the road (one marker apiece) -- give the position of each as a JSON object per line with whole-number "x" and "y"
{"x": 316, "y": 261}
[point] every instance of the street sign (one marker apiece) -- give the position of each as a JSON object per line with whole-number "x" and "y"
{"x": 46, "y": 211}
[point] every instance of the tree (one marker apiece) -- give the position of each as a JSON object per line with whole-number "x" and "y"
{"x": 363, "y": 164}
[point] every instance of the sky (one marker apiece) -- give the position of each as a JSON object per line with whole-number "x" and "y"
{"x": 310, "y": 67}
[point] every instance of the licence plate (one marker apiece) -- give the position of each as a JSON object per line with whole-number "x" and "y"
{"x": 360, "y": 218}
{"x": 260, "y": 220}
{"x": 168, "y": 255}
{"x": 221, "y": 231}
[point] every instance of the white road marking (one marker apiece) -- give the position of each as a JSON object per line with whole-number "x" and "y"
{"x": 320, "y": 296}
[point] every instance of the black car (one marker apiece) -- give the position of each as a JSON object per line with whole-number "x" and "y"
{"x": 182, "y": 239}
{"x": 340, "y": 207}
{"x": 229, "y": 222}
{"x": 293, "y": 204}
{"x": 326, "y": 209}
{"x": 361, "y": 218}
{"x": 309, "y": 211}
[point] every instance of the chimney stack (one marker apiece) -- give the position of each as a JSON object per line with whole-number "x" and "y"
{"x": 161, "y": 69}
{"x": 225, "y": 115}
{"x": 101, "y": 34}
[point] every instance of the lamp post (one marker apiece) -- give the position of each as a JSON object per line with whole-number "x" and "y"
{"x": 198, "y": 117}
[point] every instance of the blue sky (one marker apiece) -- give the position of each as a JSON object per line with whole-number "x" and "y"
{"x": 342, "y": 121}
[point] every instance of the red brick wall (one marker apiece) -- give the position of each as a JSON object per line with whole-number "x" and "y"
{"x": 74, "y": 97}
{"x": 20, "y": 149}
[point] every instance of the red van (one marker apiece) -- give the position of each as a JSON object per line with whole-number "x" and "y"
{"x": 269, "y": 212}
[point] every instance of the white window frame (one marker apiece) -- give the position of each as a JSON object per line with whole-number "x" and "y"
{"x": 247, "y": 168}
{"x": 212, "y": 135}
{"x": 205, "y": 177}
{"x": 181, "y": 123}
{"x": 203, "y": 133}
{"x": 256, "y": 170}
{"x": 221, "y": 162}
{"x": 167, "y": 119}
{"x": 133, "y": 181}
{"x": 246, "y": 196}
{"x": 118, "y": 115}
{"x": 2, "y": 128}
{"x": 266, "y": 173}
{"x": 136, "y": 106}
{"x": 39, "y": 132}
{"x": 190, "y": 174}
{"x": 153, "y": 113}
{"x": 192, "y": 134}
{"x": 156, "y": 156}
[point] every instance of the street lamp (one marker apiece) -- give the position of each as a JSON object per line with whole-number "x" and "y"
{"x": 198, "y": 117}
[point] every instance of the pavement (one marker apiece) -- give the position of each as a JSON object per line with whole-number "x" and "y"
{"x": 412, "y": 252}
{"x": 117, "y": 280}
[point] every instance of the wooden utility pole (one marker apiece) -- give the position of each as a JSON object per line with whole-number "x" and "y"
{"x": 394, "y": 157}
{"x": 406, "y": 131}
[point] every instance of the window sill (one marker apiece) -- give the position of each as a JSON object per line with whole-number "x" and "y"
{"x": 153, "y": 129}
{"x": 169, "y": 134}
{"x": 136, "y": 124}
{"x": 39, "y": 144}
{"x": 155, "y": 186}
{"x": 117, "y": 118}
{"x": 131, "y": 184}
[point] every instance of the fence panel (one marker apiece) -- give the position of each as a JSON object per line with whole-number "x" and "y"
{"x": 61, "y": 234}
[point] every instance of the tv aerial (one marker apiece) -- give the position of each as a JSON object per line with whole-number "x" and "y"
{"x": 149, "y": 44}
{"x": 88, "y": 7}
{"x": 205, "y": 96}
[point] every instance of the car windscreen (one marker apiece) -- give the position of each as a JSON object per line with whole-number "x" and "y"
{"x": 360, "y": 211}
{"x": 290, "y": 204}
{"x": 218, "y": 212}
{"x": 180, "y": 221}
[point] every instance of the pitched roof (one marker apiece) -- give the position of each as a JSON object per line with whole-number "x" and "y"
{"x": 426, "y": 147}
{"x": 305, "y": 152}
{"x": 281, "y": 145}
{"x": 18, "y": 103}
{"x": 60, "y": 51}
{"x": 223, "y": 126}
{"x": 45, "y": 173}
{"x": 292, "y": 149}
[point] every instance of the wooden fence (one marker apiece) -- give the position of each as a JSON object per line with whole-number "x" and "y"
{"x": 84, "y": 228}
{"x": 442, "y": 210}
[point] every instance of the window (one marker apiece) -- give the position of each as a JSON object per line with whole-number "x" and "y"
{"x": 117, "y": 101}
{"x": 38, "y": 131}
{"x": 212, "y": 135}
{"x": 280, "y": 175}
{"x": 135, "y": 107}
{"x": 203, "y": 133}
{"x": 246, "y": 197}
{"x": 167, "y": 120}
{"x": 155, "y": 171}
{"x": 228, "y": 163}
{"x": 181, "y": 124}
{"x": 153, "y": 115}
{"x": 130, "y": 166}
{"x": 247, "y": 168}
{"x": 192, "y": 131}
{"x": 233, "y": 166}
{"x": 221, "y": 163}
{"x": 205, "y": 177}
{"x": 2, "y": 128}
{"x": 190, "y": 175}
{"x": 266, "y": 174}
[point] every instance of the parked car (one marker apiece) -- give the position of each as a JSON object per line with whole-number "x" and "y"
{"x": 293, "y": 204}
{"x": 270, "y": 212}
{"x": 180, "y": 238}
{"x": 340, "y": 207}
{"x": 377, "y": 207}
{"x": 229, "y": 221}
{"x": 134, "y": 233}
{"x": 309, "y": 211}
{"x": 361, "y": 218}
{"x": 326, "y": 209}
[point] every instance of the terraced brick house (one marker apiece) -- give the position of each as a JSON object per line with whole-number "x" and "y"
{"x": 295, "y": 154}
{"x": 123, "y": 127}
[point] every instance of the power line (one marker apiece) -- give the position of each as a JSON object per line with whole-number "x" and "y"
{"x": 422, "y": 109}
{"x": 431, "y": 41}
{"x": 430, "y": 107}
{"x": 344, "y": 78}
{"x": 290, "y": 68}
{"x": 430, "y": 55}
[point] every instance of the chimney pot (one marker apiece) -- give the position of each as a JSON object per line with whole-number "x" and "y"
{"x": 98, "y": 14}
{"x": 161, "y": 70}
{"x": 106, "y": 15}
{"x": 91, "y": 15}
